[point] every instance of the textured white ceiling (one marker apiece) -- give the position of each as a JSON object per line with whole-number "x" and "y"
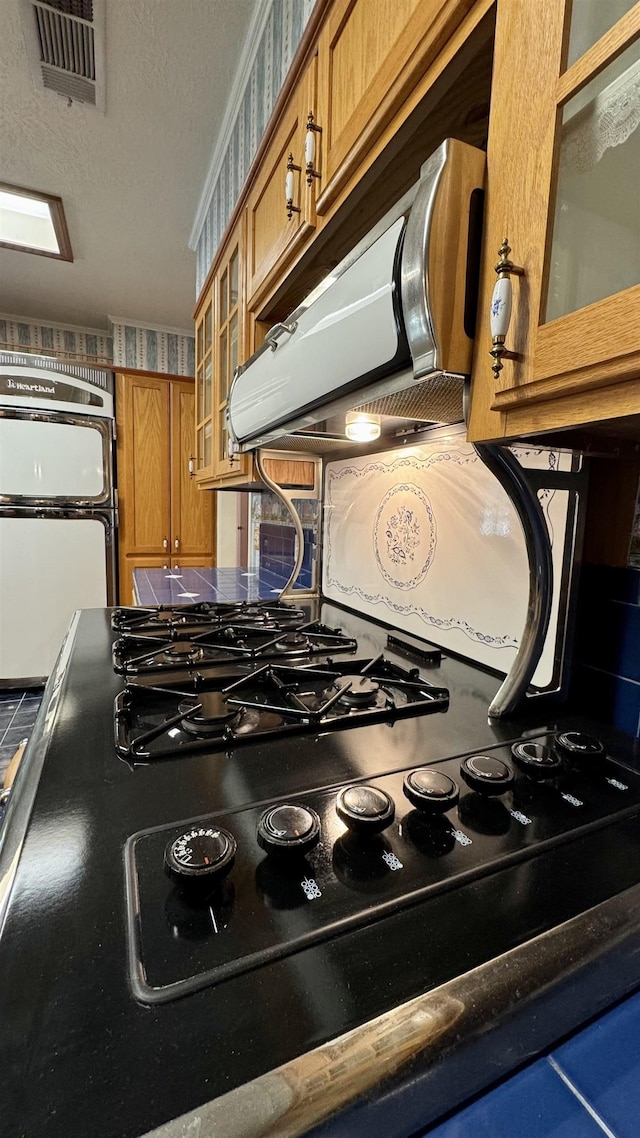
{"x": 129, "y": 179}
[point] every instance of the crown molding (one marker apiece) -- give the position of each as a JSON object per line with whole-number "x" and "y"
{"x": 145, "y": 326}
{"x": 40, "y": 323}
{"x": 256, "y": 29}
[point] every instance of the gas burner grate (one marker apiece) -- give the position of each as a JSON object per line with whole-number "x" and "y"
{"x": 137, "y": 654}
{"x": 219, "y": 713}
{"x": 204, "y": 614}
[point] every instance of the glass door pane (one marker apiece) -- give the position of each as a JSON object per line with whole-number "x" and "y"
{"x": 590, "y": 19}
{"x": 207, "y": 444}
{"x": 207, "y": 329}
{"x": 233, "y": 280}
{"x": 200, "y": 387}
{"x": 224, "y": 365}
{"x": 207, "y": 388}
{"x": 596, "y": 237}
{"x": 233, "y": 345}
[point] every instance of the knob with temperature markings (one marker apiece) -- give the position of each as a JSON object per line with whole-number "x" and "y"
{"x": 288, "y": 830}
{"x": 536, "y": 760}
{"x": 486, "y": 774}
{"x": 430, "y": 790}
{"x": 578, "y": 747}
{"x": 365, "y": 809}
{"x": 200, "y": 858}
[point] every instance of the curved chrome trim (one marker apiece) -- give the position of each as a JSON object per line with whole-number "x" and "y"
{"x": 14, "y": 828}
{"x": 501, "y": 462}
{"x": 286, "y": 497}
{"x": 295, "y": 518}
{"x": 104, "y": 428}
{"x": 414, "y": 281}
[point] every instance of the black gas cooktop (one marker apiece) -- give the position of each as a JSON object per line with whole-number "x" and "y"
{"x": 275, "y": 847}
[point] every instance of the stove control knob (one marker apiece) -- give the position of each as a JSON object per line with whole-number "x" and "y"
{"x": 536, "y": 760}
{"x": 365, "y": 809}
{"x": 486, "y": 775}
{"x": 575, "y": 745}
{"x": 289, "y": 830}
{"x": 430, "y": 790}
{"x": 200, "y": 858}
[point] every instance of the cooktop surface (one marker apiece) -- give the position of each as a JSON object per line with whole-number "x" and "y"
{"x": 230, "y": 863}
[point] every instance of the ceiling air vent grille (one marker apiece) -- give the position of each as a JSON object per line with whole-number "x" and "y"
{"x": 65, "y": 40}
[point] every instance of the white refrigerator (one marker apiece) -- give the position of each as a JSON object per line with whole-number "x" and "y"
{"x": 58, "y": 514}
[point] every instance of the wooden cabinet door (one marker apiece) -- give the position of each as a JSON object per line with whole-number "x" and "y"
{"x": 563, "y": 167}
{"x": 144, "y": 496}
{"x": 205, "y": 320}
{"x": 192, "y": 510}
{"x": 371, "y": 54}
{"x": 274, "y": 232}
{"x": 127, "y": 565}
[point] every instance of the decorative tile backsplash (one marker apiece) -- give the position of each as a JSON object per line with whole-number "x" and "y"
{"x": 89, "y": 345}
{"x": 426, "y": 538}
{"x": 153, "y": 349}
{"x": 275, "y": 50}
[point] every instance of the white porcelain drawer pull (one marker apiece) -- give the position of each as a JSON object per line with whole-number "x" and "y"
{"x": 310, "y": 148}
{"x": 501, "y": 303}
{"x": 289, "y": 187}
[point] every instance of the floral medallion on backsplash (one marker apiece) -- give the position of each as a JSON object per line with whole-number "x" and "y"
{"x": 425, "y": 538}
{"x": 404, "y": 536}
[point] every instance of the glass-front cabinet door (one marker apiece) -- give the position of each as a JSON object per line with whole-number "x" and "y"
{"x": 563, "y": 188}
{"x": 204, "y": 388}
{"x": 229, "y": 351}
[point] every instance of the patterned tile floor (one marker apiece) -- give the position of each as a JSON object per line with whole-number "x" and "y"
{"x": 18, "y": 710}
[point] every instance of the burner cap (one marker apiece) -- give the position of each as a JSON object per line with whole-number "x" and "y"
{"x": 182, "y": 650}
{"x": 362, "y": 693}
{"x": 214, "y": 713}
{"x": 293, "y": 644}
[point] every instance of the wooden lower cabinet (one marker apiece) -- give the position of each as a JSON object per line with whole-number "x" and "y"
{"x": 127, "y": 565}
{"x": 163, "y": 517}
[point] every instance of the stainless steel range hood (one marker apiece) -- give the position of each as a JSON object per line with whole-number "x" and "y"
{"x": 390, "y": 329}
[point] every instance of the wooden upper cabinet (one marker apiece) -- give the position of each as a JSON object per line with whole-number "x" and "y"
{"x": 563, "y": 182}
{"x": 278, "y": 227}
{"x": 371, "y": 55}
{"x": 205, "y": 319}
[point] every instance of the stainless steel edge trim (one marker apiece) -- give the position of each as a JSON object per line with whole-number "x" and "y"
{"x": 103, "y": 426}
{"x": 513, "y": 479}
{"x": 14, "y": 827}
{"x": 446, "y": 1044}
{"x": 414, "y": 276}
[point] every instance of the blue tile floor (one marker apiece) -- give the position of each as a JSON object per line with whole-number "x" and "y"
{"x": 18, "y": 710}
{"x": 588, "y": 1087}
{"x": 186, "y": 586}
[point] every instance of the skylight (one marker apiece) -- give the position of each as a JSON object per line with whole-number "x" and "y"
{"x": 33, "y": 223}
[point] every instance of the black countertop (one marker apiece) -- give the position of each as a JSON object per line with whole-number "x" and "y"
{"x": 81, "y": 1056}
